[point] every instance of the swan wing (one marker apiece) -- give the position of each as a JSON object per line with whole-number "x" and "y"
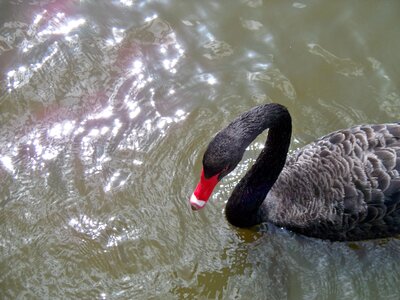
{"x": 345, "y": 185}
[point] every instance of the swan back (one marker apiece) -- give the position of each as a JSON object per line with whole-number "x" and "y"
{"x": 344, "y": 186}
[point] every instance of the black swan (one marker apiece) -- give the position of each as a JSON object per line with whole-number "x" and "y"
{"x": 344, "y": 186}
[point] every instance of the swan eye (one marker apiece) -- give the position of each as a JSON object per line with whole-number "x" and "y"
{"x": 224, "y": 172}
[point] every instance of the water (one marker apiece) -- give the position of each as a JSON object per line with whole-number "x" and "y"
{"x": 106, "y": 108}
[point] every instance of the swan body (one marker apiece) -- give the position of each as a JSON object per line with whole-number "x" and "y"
{"x": 343, "y": 186}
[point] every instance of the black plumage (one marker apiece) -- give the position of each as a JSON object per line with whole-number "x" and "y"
{"x": 343, "y": 186}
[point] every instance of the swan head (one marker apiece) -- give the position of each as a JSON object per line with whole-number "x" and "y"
{"x": 221, "y": 157}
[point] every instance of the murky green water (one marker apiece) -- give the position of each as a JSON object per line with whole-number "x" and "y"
{"x": 106, "y": 108}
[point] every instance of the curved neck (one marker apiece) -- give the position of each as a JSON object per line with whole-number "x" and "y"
{"x": 243, "y": 207}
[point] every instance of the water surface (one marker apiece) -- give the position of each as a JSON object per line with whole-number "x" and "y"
{"x": 106, "y": 108}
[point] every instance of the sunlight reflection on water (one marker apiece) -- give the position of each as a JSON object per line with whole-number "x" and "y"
{"x": 106, "y": 109}
{"x": 85, "y": 129}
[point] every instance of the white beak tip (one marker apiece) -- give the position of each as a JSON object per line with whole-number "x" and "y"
{"x": 195, "y": 203}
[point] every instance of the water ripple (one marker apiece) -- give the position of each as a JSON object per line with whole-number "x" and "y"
{"x": 106, "y": 110}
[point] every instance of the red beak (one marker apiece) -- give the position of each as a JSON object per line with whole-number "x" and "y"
{"x": 203, "y": 191}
